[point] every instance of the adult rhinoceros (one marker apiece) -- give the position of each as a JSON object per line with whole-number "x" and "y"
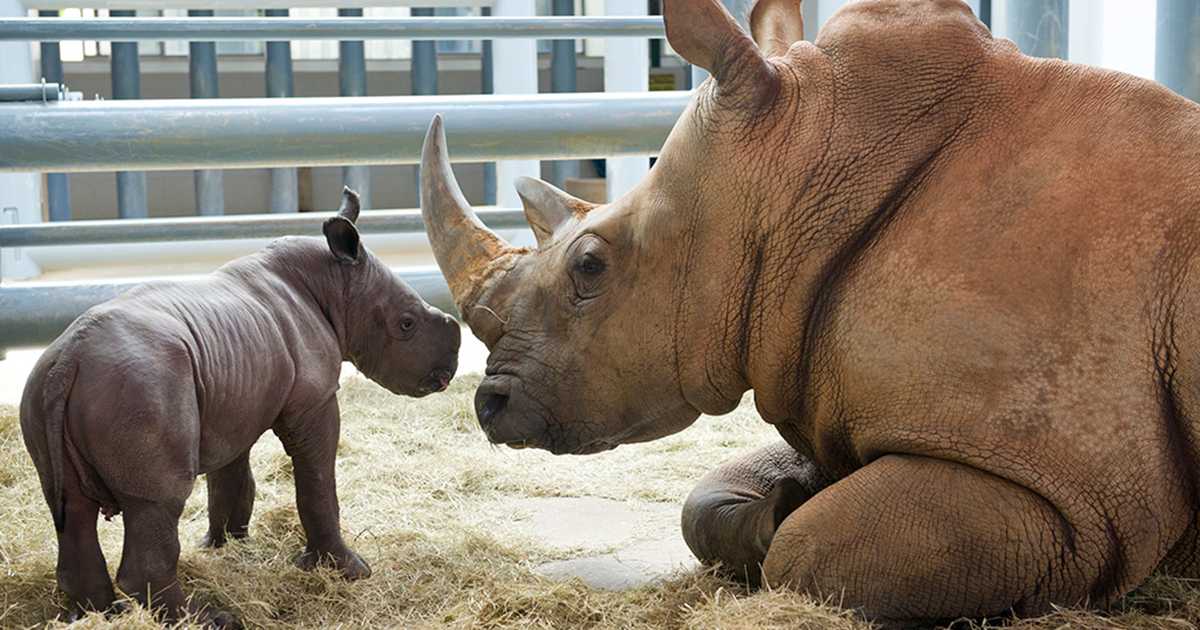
{"x": 961, "y": 282}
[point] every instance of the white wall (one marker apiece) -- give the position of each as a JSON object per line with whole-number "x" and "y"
{"x": 22, "y": 191}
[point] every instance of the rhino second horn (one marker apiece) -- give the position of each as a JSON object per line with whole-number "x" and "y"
{"x": 462, "y": 244}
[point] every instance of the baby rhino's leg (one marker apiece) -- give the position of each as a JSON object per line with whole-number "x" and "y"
{"x": 230, "y": 502}
{"x": 732, "y": 515}
{"x": 82, "y": 572}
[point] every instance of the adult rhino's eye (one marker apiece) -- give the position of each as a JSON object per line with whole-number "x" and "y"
{"x": 587, "y": 273}
{"x": 589, "y": 264}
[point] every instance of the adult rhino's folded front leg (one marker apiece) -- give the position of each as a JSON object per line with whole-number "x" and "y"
{"x": 909, "y": 539}
{"x": 730, "y": 518}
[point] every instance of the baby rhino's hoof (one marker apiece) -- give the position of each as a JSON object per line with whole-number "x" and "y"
{"x": 221, "y": 620}
{"x": 350, "y": 564}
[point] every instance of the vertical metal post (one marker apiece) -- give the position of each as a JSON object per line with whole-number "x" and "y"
{"x": 285, "y": 184}
{"x": 127, "y": 84}
{"x": 352, "y": 81}
{"x": 202, "y": 72}
{"x": 488, "y": 87}
{"x": 58, "y": 190}
{"x": 563, "y": 79}
{"x": 424, "y": 62}
{"x": 424, "y": 72}
{"x": 1177, "y": 59}
{"x": 985, "y": 13}
{"x": 1039, "y": 27}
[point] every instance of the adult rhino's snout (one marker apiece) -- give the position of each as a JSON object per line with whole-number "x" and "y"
{"x": 503, "y": 418}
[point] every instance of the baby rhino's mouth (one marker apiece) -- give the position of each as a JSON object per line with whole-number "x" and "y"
{"x": 437, "y": 380}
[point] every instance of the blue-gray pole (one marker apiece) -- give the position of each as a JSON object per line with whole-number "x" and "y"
{"x": 1177, "y": 58}
{"x": 985, "y": 13}
{"x": 58, "y": 189}
{"x": 352, "y": 81}
{"x": 563, "y": 79}
{"x": 1039, "y": 27}
{"x": 202, "y": 71}
{"x": 424, "y": 62}
{"x": 127, "y": 84}
{"x": 285, "y": 183}
{"x": 487, "y": 87}
{"x": 424, "y": 72}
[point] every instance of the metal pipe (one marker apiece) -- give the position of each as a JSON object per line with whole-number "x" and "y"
{"x": 224, "y": 228}
{"x": 242, "y": 29}
{"x": 35, "y": 313}
{"x": 1039, "y": 27}
{"x": 1177, "y": 60}
{"x": 58, "y": 188}
{"x": 127, "y": 84}
{"x": 563, "y": 80}
{"x": 352, "y": 81}
{"x": 39, "y": 92}
{"x": 202, "y": 72}
{"x": 285, "y": 182}
{"x": 486, "y": 67}
{"x": 424, "y": 61}
{"x": 173, "y": 134}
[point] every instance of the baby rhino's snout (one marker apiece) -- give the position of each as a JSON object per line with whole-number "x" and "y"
{"x": 447, "y": 330}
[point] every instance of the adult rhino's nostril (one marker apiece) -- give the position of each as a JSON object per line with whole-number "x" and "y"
{"x": 489, "y": 407}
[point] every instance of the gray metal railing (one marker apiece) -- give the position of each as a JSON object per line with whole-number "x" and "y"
{"x": 222, "y": 228}
{"x": 178, "y": 134}
{"x": 35, "y": 313}
{"x": 240, "y": 29}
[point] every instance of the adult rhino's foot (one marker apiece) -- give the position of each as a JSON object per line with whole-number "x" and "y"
{"x": 732, "y": 516}
{"x": 350, "y": 564}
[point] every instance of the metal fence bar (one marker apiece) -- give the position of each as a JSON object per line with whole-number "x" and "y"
{"x": 1177, "y": 58}
{"x": 16, "y": 92}
{"x": 202, "y": 72}
{"x": 1039, "y": 27}
{"x": 58, "y": 187}
{"x": 487, "y": 86}
{"x": 174, "y": 134}
{"x": 224, "y": 228}
{"x": 563, "y": 79}
{"x": 424, "y": 62}
{"x": 34, "y": 314}
{"x": 285, "y": 182}
{"x": 352, "y": 81}
{"x": 241, "y": 29}
{"x": 127, "y": 84}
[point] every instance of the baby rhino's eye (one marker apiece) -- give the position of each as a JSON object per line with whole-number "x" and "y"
{"x": 407, "y": 323}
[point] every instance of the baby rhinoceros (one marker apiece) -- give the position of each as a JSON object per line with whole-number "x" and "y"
{"x": 173, "y": 380}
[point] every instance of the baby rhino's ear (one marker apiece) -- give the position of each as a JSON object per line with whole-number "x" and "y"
{"x": 340, "y": 232}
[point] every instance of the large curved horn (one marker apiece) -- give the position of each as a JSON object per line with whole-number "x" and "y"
{"x": 462, "y": 245}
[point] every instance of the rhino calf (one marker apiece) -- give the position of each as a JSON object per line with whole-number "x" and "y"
{"x": 172, "y": 380}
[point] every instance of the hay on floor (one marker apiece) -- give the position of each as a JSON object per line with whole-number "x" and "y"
{"x": 419, "y": 491}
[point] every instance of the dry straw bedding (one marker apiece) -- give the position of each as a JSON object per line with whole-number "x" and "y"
{"x": 420, "y": 489}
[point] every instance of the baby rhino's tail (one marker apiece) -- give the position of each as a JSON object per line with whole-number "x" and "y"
{"x": 43, "y": 417}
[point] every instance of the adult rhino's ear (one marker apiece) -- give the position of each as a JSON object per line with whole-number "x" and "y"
{"x": 340, "y": 232}
{"x": 547, "y": 208}
{"x": 776, "y": 25}
{"x": 706, "y": 35}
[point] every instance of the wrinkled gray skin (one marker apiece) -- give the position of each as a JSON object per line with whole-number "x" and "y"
{"x": 962, "y": 283}
{"x": 170, "y": 381}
